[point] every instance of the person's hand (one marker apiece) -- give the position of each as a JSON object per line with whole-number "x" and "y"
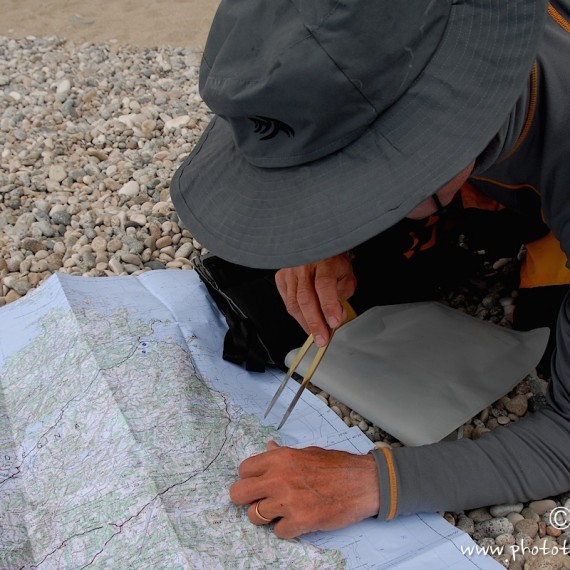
{"x": 305, "y": 490}
{"x": 313, "y": 294}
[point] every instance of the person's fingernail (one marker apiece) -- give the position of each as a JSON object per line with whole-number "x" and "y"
{"x": 320, "y": 340}
{"x": 333, "y": 322}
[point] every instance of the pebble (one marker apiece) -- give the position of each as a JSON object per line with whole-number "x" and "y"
{"x": 163, "y": 242}
{"x": 33, "y": 245}
{"x": 553, "y": 531}
{"x": 138, "y": 219}
{"x": 547, "y": 562}
{"x": 12, "y": 296}
{"x": 504, "y": 539}
{"x": 177, "y": 122}
{"x": 20, "y": 285}
{"x": 130, "y": 268}
{"x": 450, "y": 518}
{"x": 63, "y": 87}
{"x": 479, "y": 432}
{"x": 523, "y": 540}
{"x": 527, "y": 527}
{"x": 494, "y": 527}
{"x": 515, "y": 517}
{"x": 99, "y": 244}
{"x": 61, "y": 217}
{"x": 504, "y": 510}
{"x": 480, "y": 515}
{"x": 57, "y": 173}
{"x": 185, "y": 250}
{"x": 529, "y": 514}
{"x": 466, "y": 524}
{"x": 336, "y": 410}
{"x": 540, "y": 507}
{"x": 518, "y": 405}
{"x": 155, "y": 265}
{"x": 131, "y": 258}
{"x": 130, "y": 189}
{"x": 114, "y": 245}
{"x": 116, "y": 266}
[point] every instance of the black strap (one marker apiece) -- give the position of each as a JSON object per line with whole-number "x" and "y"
{"x": 242, "y": 346}
{"x": 260, "y": 331}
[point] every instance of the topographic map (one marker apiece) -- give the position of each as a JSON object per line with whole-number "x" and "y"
{"x": 121, "y": 429}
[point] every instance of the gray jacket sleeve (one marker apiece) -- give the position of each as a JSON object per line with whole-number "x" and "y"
{"x": 529, "y": 459}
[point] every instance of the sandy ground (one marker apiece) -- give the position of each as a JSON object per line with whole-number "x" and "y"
{"x": 148, "y": 23}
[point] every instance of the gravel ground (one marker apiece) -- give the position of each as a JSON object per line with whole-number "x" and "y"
{"x": 90, "y": 136}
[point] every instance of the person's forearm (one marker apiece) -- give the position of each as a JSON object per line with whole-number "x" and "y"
{"x": 526, "y": 460}
{"x": 523, "y": 461}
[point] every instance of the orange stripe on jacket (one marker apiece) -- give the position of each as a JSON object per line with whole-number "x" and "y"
{"x": 392, "y": 482}
{"x": 472, "y": 198}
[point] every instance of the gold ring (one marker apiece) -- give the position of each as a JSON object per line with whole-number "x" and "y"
{"x": 260, "y": 515}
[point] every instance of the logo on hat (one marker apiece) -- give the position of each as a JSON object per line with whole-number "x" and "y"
{"x": 270, "y": 126}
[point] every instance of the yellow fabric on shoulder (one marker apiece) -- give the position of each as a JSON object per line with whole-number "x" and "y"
{"x": 544, "y": 264}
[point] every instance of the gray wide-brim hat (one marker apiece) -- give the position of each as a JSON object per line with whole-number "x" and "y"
{"x": 334, "y": 119}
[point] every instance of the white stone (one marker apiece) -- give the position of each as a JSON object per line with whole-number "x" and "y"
{"x": 128, "y": 120}
{"x": 116, "y": 266}
{"x": 99, "y": 244}
{"x": 57, "y": 173}
{"x": 130, "y": 189}
{"x": 63, "y": 87}
{"x": 185, "y": 250}
{"x": 59, "y": 248}
{"x": 138, "y": 218}
{"x": 177, "y": 122}
{"x": 162, "y": 208}
{"x": 504, "y": 510}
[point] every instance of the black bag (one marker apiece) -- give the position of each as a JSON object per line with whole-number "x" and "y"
{"x": 260, "y": 332}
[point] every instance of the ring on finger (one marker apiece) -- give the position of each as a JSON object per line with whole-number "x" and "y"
{"x": 260, "y": 515}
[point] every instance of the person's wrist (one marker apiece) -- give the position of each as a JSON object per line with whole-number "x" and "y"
{"x": 371, "y": 503}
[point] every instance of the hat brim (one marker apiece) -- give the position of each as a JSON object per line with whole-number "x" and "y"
{"x": 283, "y": 217}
